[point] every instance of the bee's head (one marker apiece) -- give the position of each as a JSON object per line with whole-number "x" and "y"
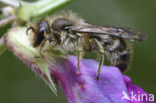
{"x": 61, "y": 24}
{"x": 39, "y": 30}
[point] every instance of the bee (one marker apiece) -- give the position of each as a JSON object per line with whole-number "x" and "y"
{"x": 68, "y": 32}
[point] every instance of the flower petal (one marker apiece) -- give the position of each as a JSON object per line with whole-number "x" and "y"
{"x": 84, "y": 88}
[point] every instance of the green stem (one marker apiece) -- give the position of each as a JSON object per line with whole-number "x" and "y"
{"x": 49, "y": 5}
{"x": 39, "y": 8}
{"x": 2, "y": 46}
{"x": 7, "y": 20}
{"x": 13, "y": 3}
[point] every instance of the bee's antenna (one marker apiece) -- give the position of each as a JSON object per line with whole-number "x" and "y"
{"x": 30, "y": 28}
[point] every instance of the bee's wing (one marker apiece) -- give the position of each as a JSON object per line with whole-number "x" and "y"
{"x": 126, "y": 33}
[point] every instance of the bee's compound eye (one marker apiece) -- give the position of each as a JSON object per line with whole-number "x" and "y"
{"x": 39, "y": 37}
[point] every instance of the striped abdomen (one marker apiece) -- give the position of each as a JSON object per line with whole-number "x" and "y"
{"x": 118, "y": 51}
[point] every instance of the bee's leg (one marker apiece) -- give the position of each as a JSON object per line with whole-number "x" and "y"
{"x": 79, "y": 54}
{"x": 42, "y": 45}
{"x": 100, "y": 49}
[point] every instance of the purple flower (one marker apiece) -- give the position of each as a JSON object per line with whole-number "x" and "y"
{"x": 112, "y": 86}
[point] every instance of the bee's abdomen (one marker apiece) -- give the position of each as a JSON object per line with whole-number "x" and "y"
{"x": 118, "y": 52}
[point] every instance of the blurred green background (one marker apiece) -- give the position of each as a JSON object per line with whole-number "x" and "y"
{"x": 19, "y": 85}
